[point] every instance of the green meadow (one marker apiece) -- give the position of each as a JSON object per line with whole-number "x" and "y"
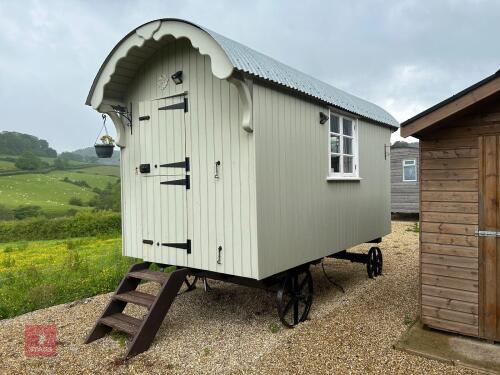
{"x": 59, "y": 226}
{"x": 7, "y": 166}
{"x": 40, "y": 274}
{"x": 51, "y": 192}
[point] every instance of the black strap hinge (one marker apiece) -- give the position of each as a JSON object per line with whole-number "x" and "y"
{"x": 179, "y": 245}
{"x": 179, "y": 164}
{"x": 181, "y": 105}
{"x": 185, "y": 181}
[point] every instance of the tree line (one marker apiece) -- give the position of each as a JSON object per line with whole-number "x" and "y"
{"x": 14, "y": 143}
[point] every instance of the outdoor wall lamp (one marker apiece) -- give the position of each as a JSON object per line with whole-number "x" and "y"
{"x": 177, "y": 77}
{"x": 322, "y": 118}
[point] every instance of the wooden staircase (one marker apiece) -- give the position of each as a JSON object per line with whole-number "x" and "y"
{"x": 142, "y": 331}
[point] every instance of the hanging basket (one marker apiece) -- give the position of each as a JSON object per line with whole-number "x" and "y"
{"x": 104, "y": 151}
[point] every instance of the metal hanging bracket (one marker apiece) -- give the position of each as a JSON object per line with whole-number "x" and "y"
{"x": 125, "y": 113}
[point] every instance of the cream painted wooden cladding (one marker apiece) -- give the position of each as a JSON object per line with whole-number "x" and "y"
{"x": 301, "y": 216}
{"x": 220, "y": 212}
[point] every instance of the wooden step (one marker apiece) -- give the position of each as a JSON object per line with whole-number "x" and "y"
{"x": 142, "y": 331}
{"x": 136, "y": 297}
{"x": 122, "y": 322}
{"x": 159, "y": 277}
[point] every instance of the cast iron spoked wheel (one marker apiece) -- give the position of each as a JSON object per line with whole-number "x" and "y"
{"x": 375, "y": 262}
{"x": 295, "y": 298}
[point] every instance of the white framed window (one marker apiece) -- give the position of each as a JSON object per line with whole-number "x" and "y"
{"x": 343, "y": 147}
{"x": 410, "y": 170}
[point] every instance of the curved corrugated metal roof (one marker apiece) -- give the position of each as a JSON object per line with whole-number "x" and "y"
{"x": 255, "y": 63}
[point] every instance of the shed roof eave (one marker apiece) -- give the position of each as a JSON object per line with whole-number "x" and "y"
{"x": 451, "y": 106}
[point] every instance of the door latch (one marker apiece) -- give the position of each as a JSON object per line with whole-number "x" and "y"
{"x": 487, "y": 233}
{"x": 219, "y": 251}
{"x": 217, "y": 165}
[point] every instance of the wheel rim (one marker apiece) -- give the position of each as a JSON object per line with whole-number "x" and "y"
{"x": 294, "y": 298}
{"x": 380, "y": 261}
{"x": 371, "y": 263}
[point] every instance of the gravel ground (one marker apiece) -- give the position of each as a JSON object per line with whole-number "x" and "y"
{"x": 228, "y": 330}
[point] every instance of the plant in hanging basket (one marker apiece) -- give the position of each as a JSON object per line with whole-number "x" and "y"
{"x": 106, "y": 147}
{"x": 107, "y": 140}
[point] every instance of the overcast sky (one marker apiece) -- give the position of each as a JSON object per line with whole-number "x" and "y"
{"x": 403, "y": 55}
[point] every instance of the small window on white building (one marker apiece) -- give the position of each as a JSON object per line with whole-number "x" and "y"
{"x": 409, "y": 170}
{"x": 343, "y": 147}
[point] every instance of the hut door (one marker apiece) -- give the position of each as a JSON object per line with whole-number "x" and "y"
{"x": 163, "y": 148}
{"x": 489, "y": 235}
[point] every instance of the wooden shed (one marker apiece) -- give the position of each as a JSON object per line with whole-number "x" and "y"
{"x": 235, "y": 166}
{"x": 404, "y": 178}
{"x": 459, "y": 210}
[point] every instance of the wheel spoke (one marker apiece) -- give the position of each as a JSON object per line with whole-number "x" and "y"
{"x": 303, "y": 283}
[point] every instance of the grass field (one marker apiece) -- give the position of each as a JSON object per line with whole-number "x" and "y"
{"x": 105, "y": 170}
{"x": 9, "y": 165}
{"x": 50, "y": 192}
{"x": 39, "y": 274}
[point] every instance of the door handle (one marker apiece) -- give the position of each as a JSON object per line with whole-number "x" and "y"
{"x": 217, "y": 165}
{"x": 219, "y": 251}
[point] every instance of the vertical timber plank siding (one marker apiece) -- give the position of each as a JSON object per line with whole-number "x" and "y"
{"x": 292, "y": 187}
{"x": 490, "y": 221}
{"x": 219, "y": 212}
{"x": 404, "y": 194}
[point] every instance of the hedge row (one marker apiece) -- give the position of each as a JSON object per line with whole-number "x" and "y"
{"x": 83, "y": 224}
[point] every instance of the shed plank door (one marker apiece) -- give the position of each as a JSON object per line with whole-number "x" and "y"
{"x": 489, "y": 220}
{"x": 163, "y": 146}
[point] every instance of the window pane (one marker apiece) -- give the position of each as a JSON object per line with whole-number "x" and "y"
{"x": 347, "y": 126}
{"x": 335, "y": 160}
{"x": 348, "y": 164}
{"x": 334, "y": 124}
{"x": 410, "y": 173}
{"x": 347, "y": 146}
{"x": 335, "y": 144}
